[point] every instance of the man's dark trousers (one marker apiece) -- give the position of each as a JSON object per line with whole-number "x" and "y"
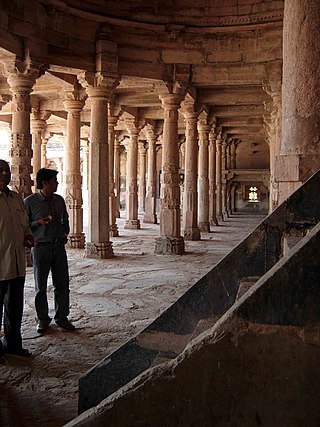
{"x": 11, "y": 300}
{"x": 51, "y": 256}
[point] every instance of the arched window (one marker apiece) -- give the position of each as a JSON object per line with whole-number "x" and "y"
{"x": 253, "y": 194}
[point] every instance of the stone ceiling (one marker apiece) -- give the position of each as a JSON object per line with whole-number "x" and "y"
{"x": 232, "y": 50}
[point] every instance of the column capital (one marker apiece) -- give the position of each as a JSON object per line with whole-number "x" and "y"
{"x": 171, "y": 101}
{"x": 133, "y": 125}
{"x": 73, "y": 106}
{"x": 112, "y": 121}
{"x": 98, "y": 86}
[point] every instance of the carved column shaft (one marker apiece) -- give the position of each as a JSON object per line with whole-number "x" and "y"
{"x": 142, "y": 177}
{"x": 98, "y": 243}
{"x": 204, "y": 177}
{"x": 170, "y": 240}
{"x": 112, "y": 121}
{"x": 72, "y": 173}
{"x": 219, "y": 178}
{"x": 190, "y": 198}
{"x": 132, "y": 221}
{"x": 117, "y": 149}
{"x": 37, "y": 128}
{"x": 20, "y": 151}
{"x": 150, "y": 215}
{"x": 223, "y": 180}
{"x": 212, "y": 179}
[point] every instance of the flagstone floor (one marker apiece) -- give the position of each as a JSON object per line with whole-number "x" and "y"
{"x": 111, "y": 301}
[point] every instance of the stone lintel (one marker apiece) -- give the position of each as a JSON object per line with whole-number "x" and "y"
{"x": 169, "y": 245}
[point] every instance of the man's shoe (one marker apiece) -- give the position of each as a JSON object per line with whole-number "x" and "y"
{"x": 42, "y": 326}
{"x": 23, "y": 352}
{"x": 65, "y": 324}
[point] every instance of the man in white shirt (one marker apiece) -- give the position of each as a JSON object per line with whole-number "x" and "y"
{"x": 15, "y": 235}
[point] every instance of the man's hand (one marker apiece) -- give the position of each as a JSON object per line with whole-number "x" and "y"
{"x": 45, "y": 220}
{"x": 29, "y": 241}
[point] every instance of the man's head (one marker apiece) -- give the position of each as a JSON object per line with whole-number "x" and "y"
{"x": 5, "y": 175}
{"x": 47, "y": 180}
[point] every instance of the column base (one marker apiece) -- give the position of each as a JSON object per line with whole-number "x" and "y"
{"x": 219, "y": 217}
{"x": 169, "y": 245}
{"x": 132, "y": 224}
{"x": 98, "y": 250}
{"x": 204, "y": 227}
{"x": 225, "y": 216}
{"x": 150, "y": 219}
{"x": 192, "y": 233}
{"x": 76, "y": 240}
{"x": 113, "y": 231}
{"x": 213, "y": 221}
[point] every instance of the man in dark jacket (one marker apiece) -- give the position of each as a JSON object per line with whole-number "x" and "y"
{"x": 49, "y": 223}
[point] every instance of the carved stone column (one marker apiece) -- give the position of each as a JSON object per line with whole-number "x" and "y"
{"x": 85, "y": 150}
{"x": 170, "y": 241}
{"x": 219, "y": 177}
{"x": 224, "y": 179}
{"x": 142, "y": 177}
{"x": 190, "y": 195}
{"x": 38, "y": 124}
{"x": 233, "y": 147}
{"x": 112, "y": 121}
{"x": 273, "y": 126}
{"x": 132, "y": 221}
{"x": 72, "y": 173}
{"x": 150, "y": 215}
{"x": 299, "y": 157}
{"x": 117, "y": 150}
{"x": 44, "y": 143}
{"x": 20, "y": 151}
{"x": 212, "y": 178}
{"x": 204, "y": 130}
{"x": 98, "y": 243}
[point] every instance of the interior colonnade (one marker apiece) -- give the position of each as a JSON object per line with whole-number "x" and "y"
{"x": 208, "y": 154}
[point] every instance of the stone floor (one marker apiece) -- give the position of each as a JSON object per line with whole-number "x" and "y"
{"x": 111, "y": 301}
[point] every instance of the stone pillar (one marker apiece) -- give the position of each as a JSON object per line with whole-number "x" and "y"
{"x": 224, "y": 179}
{"x": 132, "y": 221}
{"x": 219, "y": 177}
{"x": 170, "y": 241}
{"x": 299, "y": 157}
{"x": 117, "y": 150}
{"x": 142, "y": 177}
{"x": 112, "y": 121}
{"x": 228, "y": 155}
{"x": 20, "y": 151}
{"x": 203, "y": 178}
{"x": 233, "y": 147}
{"x": 38, "y": 124}
{"x": 190, "y": 195}
{"x": 72, "y": 173}
{"x": 85, "y": 179}
{"x": 150, "y": 215}
{"x": 212, "y": 179}
{"x": 44, "y": 144}
{"x": 98, "y": 243}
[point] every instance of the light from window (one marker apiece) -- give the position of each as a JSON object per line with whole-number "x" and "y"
{"x": 253, "y": 194}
